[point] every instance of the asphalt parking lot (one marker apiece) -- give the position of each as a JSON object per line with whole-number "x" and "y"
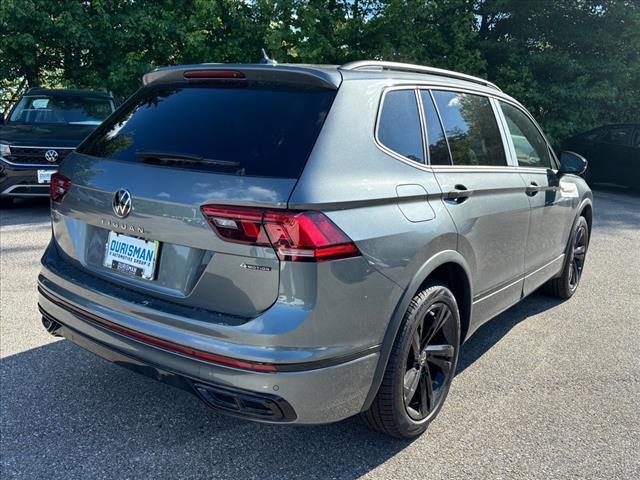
{"x": 546, "y": 390}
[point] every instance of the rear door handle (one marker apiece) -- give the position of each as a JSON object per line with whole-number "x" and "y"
{"x": 459, "y": 194}
{"x": 532, "y": 189}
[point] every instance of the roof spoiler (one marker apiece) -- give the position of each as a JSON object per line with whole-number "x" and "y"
{"x": 301, "y": 76}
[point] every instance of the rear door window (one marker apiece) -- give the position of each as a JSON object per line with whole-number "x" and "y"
{"x": 436, "y": 141}
{"x": 593, "y": 135}
{"x": 399, "y": 126}
{"x": 245, "y": 131}
{"x": 531, "y": 148}
{"x": 471, "y": 129}
{"x": 618, "y": 135}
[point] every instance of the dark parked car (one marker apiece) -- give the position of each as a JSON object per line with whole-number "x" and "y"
{"x": 300, "y": 243}
{"x": 40, "y": 131}
{"x": 613, "y": 153}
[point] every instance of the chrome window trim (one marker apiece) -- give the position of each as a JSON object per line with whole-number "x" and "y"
{"x": 475, "y": 168}
{"x": 469, "y": 92}
{"x": 507, "y": 140}
{"x": 554, "y": 160}
{"x": 444, "y": 133}
{"x": 376, "y": 139}
{"x": 515, "y": 104}
{"x": 497, "y": 96}
{"x": 423, "y": 128}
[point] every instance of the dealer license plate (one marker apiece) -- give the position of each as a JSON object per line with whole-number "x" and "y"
{"x": 44, "y": 176}
{"x": 131, "y": 256}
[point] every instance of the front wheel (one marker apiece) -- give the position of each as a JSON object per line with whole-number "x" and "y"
{"x": 421, "y": 366}
{"x": 567, "y": 283}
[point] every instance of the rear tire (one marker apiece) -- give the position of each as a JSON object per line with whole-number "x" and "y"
{"x": 567, "y": 283}
{"x": 6, "y": 202}
{"x": 421, "y": 366}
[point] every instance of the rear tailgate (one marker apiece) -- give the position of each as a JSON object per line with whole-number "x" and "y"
{"x": 173, "y": 148}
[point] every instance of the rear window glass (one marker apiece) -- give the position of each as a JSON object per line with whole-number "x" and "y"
{"x": 245, "y": 131}
{"x": 399, "y": 128}
{"x": 471, "y": 128}
{"x": 438, "y": 149}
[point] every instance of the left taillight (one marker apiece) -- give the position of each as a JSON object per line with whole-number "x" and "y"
{"x": 296, "y": 236}
{"x": 60, "y": 185}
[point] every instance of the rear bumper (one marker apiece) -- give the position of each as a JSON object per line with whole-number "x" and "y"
{"x": 299, "y": 393}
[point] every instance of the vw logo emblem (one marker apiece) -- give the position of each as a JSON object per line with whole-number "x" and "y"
{"x": 122, "y": 203}
{"x": 51, "y": 156}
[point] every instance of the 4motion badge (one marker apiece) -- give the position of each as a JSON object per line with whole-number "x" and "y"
{"x": 261, "y": 268}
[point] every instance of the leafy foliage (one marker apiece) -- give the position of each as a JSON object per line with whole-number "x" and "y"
{"x": 574, "y": 63}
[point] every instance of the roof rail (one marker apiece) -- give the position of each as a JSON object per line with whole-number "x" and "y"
{"x": 408, "y": 67}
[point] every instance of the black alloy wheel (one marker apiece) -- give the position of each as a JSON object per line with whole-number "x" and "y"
{"x": 567, "y": 281}
{"x": 421, "y": 365}
{"x": 578, "y": 256}
{"x": 430, "y": 361}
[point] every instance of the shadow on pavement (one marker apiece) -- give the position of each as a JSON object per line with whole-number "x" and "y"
{"x": 68, "y": 414}
{"x": 25, "y": 211}
{"x": 492, "y": 332}
{"x": 69, "y": 409}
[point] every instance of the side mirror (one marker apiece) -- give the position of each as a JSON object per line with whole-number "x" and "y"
{"x": 572, "y": 163}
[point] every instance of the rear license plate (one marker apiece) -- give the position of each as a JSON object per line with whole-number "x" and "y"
{"x": 131, "y": 256}
{"x": 44, "y": 176}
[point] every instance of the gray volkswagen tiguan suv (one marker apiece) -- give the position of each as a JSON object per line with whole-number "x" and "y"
{"x": 301, "y": 243}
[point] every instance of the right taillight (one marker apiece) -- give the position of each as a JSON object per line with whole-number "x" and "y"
{"x": 295, "y": 236}
{"x": 60, "y": 185}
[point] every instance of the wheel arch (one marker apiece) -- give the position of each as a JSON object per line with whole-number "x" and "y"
{"x": 586, "y": 211}
{"x": 449, "y": 267}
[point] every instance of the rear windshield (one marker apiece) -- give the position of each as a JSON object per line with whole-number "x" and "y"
{"x": 244, "y": 131}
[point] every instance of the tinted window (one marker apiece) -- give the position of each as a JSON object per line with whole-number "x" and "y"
{"x": 438, "y": 150}
{"x": 62, "y": 109}
{"x": 471, "y": 129}
{"x": 592, "y": 135}
{"x": 531, "y": 148}
{"x": 399, "y": 127}
{"x": 618, "y": 135}
{"x": 262, "y": 132}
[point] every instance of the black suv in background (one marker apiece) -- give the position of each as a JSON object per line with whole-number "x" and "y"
{"x": 613, "y": 152}
{"x": 40, "y": 131}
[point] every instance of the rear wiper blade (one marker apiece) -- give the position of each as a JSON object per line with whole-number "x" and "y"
{"x": 171, "y": 157}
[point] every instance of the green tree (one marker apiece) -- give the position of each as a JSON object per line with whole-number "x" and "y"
{"x": 574, "y": 63}
{"x": 436, "y": 33}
